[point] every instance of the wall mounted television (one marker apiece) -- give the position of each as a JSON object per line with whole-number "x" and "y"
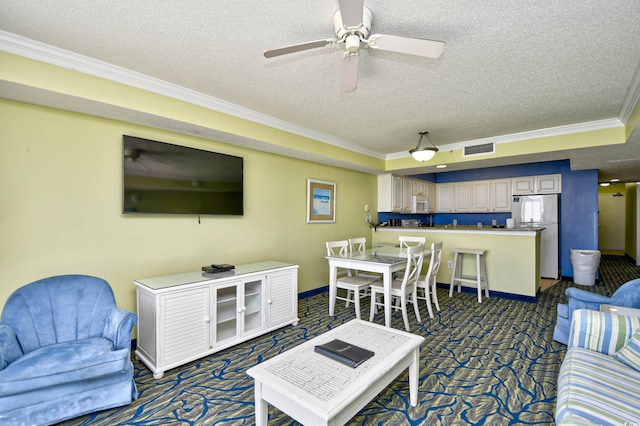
{"x": 162, "y": 178}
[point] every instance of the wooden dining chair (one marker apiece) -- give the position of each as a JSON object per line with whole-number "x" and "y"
{"x": 403, "y": 290}
{"x": 348, "y": 280}
{"x": 428, "y": 284}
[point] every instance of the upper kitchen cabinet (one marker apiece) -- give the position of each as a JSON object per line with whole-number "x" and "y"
{"x": 462, "y": 197}
{"x": 430, "y": 195}
{"x": 394, "y": 194}
{"x": 444, "y": 197}
{"x": 523, "y": 185}
{"x": 481, "y": 196}
{"x": 419, "y": 188}
{"x": 501, "y": 195}
{"x": 548, "y": 184}
{"x": 545, "y": 184}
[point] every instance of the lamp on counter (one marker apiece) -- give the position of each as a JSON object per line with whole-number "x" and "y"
{"x": 423, "y": 153}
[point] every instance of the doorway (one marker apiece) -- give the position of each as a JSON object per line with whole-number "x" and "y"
{"x": 611, "y": 220}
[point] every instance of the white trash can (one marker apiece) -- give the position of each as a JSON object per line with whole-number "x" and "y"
{"x": 585, "y": 265}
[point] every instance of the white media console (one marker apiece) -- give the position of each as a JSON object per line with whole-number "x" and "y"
{"x": 188, "y": 316}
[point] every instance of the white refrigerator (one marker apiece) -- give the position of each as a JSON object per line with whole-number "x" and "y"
{"x": 540, "y": 211}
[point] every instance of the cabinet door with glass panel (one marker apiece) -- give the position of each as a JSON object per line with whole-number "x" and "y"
{"x": 239, "y": 308}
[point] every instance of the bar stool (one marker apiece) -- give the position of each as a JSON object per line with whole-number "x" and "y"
{"x": 480, "y": 279}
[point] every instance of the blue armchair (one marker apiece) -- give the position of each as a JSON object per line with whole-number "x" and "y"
{"x": 64, "y": 351}
{"x": 627, "y": 295}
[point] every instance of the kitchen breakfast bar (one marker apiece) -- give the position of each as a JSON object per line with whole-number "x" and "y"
{"x": 512, "y": 259}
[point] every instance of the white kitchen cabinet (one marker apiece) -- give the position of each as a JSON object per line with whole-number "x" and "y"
{"x": 462, "y": 197}
{"x": 398, "y": 194}
{"x": 407, "y": 195}
{"x": 430, "y": 195}
{"x": 481, "y": 196}
{"x": 419, "y": 187}
{"x": 187, "y": 316}
{"x": 444, "y": 197}
{"x": 543, "y": 184}
{"x": 395, "y": 194}
{"x": 548, "y": 184}
{"x": 501, "y": 195}
{"x": 523, "y": 185}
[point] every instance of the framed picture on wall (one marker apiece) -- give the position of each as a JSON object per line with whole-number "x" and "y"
{"x": 321, "y": 201}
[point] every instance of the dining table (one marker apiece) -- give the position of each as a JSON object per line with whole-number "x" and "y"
{"x": 383, "y": 260}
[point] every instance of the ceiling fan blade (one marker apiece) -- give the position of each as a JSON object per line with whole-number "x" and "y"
{"x": 351, "y": 11}
{"x": 349, "y": 72}
{"x": 410, "y": 46}
{"x": 299, "y": 47}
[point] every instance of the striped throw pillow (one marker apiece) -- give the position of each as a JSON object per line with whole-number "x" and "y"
{"x": 630, "y": 352}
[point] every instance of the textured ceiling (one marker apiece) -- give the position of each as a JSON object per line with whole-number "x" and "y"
{"x": 507, "y": 68}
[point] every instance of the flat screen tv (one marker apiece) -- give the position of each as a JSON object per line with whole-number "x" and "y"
{"x": 163, "y": 178}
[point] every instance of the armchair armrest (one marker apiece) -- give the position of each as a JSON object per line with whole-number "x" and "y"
{"x": 10, "y": 348}
{"x": 600, "y": 331}
{"x": 586, "y": 297}
{"x": 118, "y": 327}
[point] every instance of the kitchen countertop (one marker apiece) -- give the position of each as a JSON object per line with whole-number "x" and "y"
{"x": 461, "y": 228}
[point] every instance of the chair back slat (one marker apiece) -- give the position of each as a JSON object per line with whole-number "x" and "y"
{"x": 406, "y": 242}
{"x": 415, "y": 257}
{"x": 337, "y": 248}
{"x": 434, "y": 264}
{"x": 358, "y": 245}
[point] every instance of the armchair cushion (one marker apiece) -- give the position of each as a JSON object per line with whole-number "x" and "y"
{"x": 65, "y": 362}
{"x": 630, "y": 352}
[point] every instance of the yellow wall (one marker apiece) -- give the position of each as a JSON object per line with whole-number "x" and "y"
{"x": 632, "y": 217}
{"x": 61, "y": 184}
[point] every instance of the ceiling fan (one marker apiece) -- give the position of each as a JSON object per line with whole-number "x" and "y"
{"x": 352, "y": 24}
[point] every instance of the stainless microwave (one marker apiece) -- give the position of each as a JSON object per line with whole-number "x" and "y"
{"x": 419, "y": 205}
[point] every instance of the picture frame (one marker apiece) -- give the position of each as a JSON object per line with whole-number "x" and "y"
{"x": 321, "y": 201}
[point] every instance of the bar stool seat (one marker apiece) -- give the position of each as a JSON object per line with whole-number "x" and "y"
{"x": 480, "y": 279}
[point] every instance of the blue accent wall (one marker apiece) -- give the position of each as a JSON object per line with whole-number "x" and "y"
{"x": 578, "y": 216}
{"x": 578, "y": 204}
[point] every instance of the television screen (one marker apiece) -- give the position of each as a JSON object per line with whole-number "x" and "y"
{"x": 164, "y": 178}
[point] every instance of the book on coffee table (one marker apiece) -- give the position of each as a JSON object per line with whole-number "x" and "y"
{"x": 344, "y": 352}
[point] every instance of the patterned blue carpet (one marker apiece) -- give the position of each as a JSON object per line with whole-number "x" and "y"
{"x": 493, "y": 363}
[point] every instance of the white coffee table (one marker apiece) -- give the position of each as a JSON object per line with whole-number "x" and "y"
{"x": 316, "y": 390}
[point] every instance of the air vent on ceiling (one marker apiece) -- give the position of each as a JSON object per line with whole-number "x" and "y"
{"x": 485, "y": 148}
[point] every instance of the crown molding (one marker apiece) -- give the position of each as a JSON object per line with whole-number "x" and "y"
{"x": 32, "y": 49}
{"x": 588, "y": 126}
{"x": 22, "y": 46}
{"x": 632, "y": 97}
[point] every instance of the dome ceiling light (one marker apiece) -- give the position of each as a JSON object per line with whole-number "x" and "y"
{"x": 422, "y": 153}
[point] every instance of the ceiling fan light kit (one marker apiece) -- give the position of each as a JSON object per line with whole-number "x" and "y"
{"x": 423, "y": 153}
{"x": 352, "y": 25}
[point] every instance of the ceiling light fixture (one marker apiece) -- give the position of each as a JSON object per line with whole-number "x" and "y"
{"x": 441, "y": 166}
{"x": 421, "y": 153}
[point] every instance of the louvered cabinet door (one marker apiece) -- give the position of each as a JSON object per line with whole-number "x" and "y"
{"x": 282, "y": 298}
{"x": 184, "y": 326}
